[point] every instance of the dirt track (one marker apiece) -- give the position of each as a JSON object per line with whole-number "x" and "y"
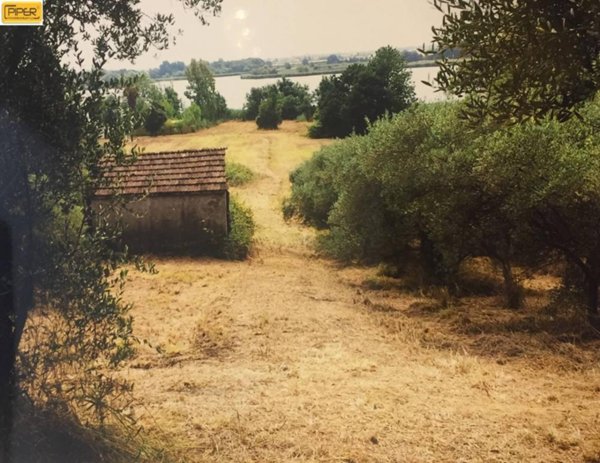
{"x": 288, "y": 357}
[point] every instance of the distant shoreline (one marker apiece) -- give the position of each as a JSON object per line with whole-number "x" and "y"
{"x": 415, "y": 64}
{"x": 291, "y": 74}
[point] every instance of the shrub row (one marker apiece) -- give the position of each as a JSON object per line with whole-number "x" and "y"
{"x": 426, "y": 184}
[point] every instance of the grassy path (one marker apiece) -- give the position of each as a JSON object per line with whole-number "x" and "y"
{"x": 287, "y": 357}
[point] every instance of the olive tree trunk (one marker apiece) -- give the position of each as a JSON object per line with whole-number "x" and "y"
{"x": 7, "y": 343}
{"x": 513, "y": 293}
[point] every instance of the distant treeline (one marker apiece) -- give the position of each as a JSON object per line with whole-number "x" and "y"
{"x": 259, "y": 67}
{"x": 342, "y": 104}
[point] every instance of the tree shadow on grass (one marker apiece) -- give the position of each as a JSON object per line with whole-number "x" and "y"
{"x": 549, "y": 329}
{"x": 481, "y": 326}
{"x": 52, "y": 436}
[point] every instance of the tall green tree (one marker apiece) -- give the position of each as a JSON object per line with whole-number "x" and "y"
{"x": 296, "y": 99}
{"x": 389, "y": 66}
{"x": 523, "y": 59}
{"x": 201, "y": 90}
{"x": 363, "y": 93}
{"x": 141, "y": 96}
{"x": 53, "y": 138}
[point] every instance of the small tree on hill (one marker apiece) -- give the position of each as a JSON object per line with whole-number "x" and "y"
{"x": 269, "y": 113}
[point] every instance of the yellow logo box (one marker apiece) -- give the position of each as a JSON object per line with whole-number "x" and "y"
{"x": 22, "y": 13}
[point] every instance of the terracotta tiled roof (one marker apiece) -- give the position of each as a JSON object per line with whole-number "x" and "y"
{"x": 189, "y": 171}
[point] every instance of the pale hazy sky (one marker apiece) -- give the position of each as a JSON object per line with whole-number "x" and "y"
{"x": 283, "y": 28}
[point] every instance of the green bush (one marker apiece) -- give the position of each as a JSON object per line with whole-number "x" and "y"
{"x": 290, "y": 107}
{"x": 238, "y": 174}
{"x": 314, "y": 184}
{"x": 191, "y": 121}
{"x": 295, "y": 100}
{"x": 175, "y": 127}
{"x": 155, "y": 119}
{"x": 192, "y": 117}
{"x": 269, "y": 114}
{"x": 316, "y": 130}
{"x": 238, "y": 243}
{"x": 179, "y": 126}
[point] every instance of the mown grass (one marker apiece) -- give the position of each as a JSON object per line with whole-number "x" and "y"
{"x": 288, "y": 357}
{"x": 271, "y": 155}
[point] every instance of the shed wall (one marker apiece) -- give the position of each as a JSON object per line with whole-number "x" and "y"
{"x": 173, "y": 223}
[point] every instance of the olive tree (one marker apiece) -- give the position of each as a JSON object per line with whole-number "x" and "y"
{"x": 549, "y": 176}
{"x": 520, "y": 60}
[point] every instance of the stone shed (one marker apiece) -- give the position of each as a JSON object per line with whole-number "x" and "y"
{"x": 174, "y": 202}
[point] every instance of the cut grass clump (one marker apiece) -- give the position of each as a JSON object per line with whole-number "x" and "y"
{"x": 239, "y": 241}
{"x": 238, "y": 174}
{"x": 212, "y": 335}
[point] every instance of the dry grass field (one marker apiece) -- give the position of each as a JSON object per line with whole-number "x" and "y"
{"x": 288, "y": 357}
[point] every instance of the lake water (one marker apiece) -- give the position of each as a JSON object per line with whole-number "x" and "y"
{"x": 235, "y": 89}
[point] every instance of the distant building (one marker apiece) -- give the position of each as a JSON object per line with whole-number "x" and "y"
{"x": 173, "y": 202}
